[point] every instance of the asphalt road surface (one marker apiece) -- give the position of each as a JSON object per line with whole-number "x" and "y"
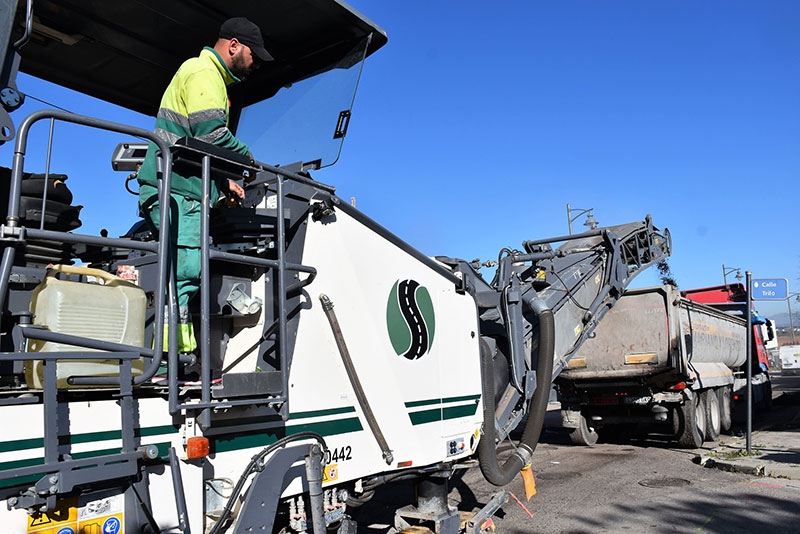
{"x": 640, "y": 484}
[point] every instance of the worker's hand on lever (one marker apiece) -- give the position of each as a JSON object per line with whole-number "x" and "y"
{"x": 235, "y": 189}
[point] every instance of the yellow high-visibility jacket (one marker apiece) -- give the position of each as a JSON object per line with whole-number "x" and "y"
{"x": 195, "y": 104}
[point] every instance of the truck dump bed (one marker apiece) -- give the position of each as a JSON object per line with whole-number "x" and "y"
{"x": 654, "y": 331}
{"x": 664, "y": 358}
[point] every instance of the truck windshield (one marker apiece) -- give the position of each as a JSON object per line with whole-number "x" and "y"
{"x": 306, "y": 121}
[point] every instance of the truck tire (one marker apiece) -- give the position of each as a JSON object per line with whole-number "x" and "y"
{"x": 584, "y": 434}
{"x": 692, "y": 421}
{"x": 768, "y": 396}
{"x": 713, "y": 414}
{"x": 724, "y": 397}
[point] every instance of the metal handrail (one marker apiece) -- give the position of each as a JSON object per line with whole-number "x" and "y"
{"x": 12, "y": 232}
{"x": 9, "y": 230}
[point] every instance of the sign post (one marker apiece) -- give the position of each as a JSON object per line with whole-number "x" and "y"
{"x": 760, "y": 289}
{"x": 750, "y": 285}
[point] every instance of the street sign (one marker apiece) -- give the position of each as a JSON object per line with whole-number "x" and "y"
{"x": 770, "y": 289}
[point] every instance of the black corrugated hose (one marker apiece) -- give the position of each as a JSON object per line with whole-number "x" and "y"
{"x": 497, "y": 474}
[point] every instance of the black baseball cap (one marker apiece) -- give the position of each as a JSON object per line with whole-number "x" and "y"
{"x": 246, "y": 33}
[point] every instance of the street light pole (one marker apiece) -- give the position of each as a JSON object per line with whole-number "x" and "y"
{"x": 728, "y": 270}
{"x": 591, "y": 222}
{"x": 791, "y": 320}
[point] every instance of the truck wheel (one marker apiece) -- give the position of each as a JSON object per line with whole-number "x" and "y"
{"x": 584, "y": 434}
{"x": 713, "y": 414}
{"x": 724, "y": 397}
{"x": 768, "y": 396}
{"x": 692, "y": 421}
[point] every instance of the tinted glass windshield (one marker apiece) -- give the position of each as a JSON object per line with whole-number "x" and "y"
{"x": 303, "y": 122}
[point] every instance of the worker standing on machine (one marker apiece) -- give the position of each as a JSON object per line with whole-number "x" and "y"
{"x": 196, "y": 104}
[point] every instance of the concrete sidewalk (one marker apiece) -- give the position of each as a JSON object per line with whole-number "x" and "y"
{"x": 774, "y": 446}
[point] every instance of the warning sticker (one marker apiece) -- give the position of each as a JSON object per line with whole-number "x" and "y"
{"x": 101, "y": 507}
{"x": 100, "y": 516}
{"x": 330, "y": 473}
{"x": 61, "y": 521}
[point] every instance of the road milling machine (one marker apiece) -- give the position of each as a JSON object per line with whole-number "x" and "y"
{"x": 333, "y": 357}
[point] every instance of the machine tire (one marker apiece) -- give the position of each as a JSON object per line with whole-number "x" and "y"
{"x": 724, "y": 396}
{"x": 57, "y": 215}
{"x": 584, "y": 434}
{"x": 713, "y": 414}
{"x": 692, "y": 421}
{"x": 57, "y": 190}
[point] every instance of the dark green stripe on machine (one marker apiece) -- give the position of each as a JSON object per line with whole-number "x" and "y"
{"x": 261, "y": 438}
{"x": 220, "y": 443}
{"x": 89, "y": 437}
{"x": 439, "y": 412}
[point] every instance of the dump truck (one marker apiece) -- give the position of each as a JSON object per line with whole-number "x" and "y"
{"x": 664, "y": 359}
{"x": 333, "y": 357}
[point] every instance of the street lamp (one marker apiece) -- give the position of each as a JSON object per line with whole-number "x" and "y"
{"x": 591, "y": 222}
{"x": 728, "y": 270}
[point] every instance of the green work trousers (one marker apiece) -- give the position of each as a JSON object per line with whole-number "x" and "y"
{"x": 184, "y": 239}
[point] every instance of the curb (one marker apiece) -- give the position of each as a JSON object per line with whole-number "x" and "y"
{"x": 748, "y": 468}
{"x": 753, "y": 466}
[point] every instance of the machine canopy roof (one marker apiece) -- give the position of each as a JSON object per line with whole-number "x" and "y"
{"x": 126, "y": 52}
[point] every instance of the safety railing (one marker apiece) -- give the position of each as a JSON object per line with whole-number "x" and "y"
{"x": 15, "y": 234}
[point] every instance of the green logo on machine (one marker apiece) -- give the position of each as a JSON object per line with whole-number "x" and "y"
{"x": 410, "y": 319}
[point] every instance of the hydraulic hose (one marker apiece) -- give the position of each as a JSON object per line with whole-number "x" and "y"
{"x": 252, "y": 467}
{"x": 497, "y": 474}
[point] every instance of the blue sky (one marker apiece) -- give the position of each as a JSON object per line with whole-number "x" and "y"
{"x": 477, "y": 124}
